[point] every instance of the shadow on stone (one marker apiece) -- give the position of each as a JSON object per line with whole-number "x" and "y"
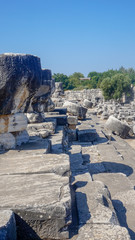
{"x": 80, "y": 184}
{"x": 24, "y": 231}
{"x": 83, "y": 210}
{"x": 86, "y": 159}
{"x": 121, "y": 215}
{"x": 109, "y": 167}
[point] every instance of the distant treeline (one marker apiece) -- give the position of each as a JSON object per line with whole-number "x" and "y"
{"x": 112, "y": 82}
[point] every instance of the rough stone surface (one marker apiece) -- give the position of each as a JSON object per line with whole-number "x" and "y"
{"x": 37, "y": 129}
{"x": 87, "y": 103}
{"x": 20, "y": 77}
{"x": 33, "y": 162}
{"x": 117, "y": 126}
{"x": 35, "y": 117}
{"x": 58, "y": 90}
{"x": 21, "y": 137}
{"x": 93, "y": 95}
{"x": 7, "y": 141}
{"x": 41, "y": 101}
{"x": 13, "y": 123}
{"x": 7, "y": 225}
{"x": 103, "y": 232}
{"x": 37, "y": 186}
{"x": 87, "y": 135}
{"x": 75, "y": 109}
{"x": 97, "y": 207}
{"x": 29, "y": 195}
{"x": 72, "y": 120}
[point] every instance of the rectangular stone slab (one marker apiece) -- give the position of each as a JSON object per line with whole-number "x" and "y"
{"x": 13, "y": 123}
{"x": 87, "y": 135}
{"x": 14, "y": 162}
{"x": 36, "y": 187}
{"x": 41, "y": 200}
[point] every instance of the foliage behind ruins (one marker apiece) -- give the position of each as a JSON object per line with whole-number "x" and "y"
{"x": 112, "y": 82}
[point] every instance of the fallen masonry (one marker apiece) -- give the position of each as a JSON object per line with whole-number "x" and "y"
{"x": 64, "y": 195}
{"x": 71, "y": 178}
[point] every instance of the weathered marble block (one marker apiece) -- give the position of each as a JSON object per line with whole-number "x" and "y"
{"x": 120, "y": 128}
{"x": 20, "y": 78}
{"x": 72, "y": 120}
{"x": 13, "y": 123}
{"x": 75, "y": 109}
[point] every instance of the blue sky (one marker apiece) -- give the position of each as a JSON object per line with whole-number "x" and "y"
{"x": 70, "y": 35}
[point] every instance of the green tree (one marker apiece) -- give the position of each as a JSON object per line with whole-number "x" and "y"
{"x": 74, "y": 80}
{"x": 60, "y": 77}
{"x": 114, "y": 87}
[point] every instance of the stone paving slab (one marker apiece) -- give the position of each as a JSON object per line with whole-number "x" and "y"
{"x": 103, "y": 232}
{"x": 15, "y": 162}
{"x": 41, "y": 200}
{"x": 35, "y": 186}
{"x": 116, "y": 182}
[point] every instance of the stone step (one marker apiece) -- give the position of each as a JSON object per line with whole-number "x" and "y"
{"x": 22, "y": 162}
{"x": 97, "y": 216}
{"x": 61, "y": 110}
{"x": 56, "y": 140}
{"x": 41, "y": 202}
{"x": 37, "y": 129}
{"x": 36, "y": 187}
{"x": 103, "y": 232}
{"x": 60, "y": 119}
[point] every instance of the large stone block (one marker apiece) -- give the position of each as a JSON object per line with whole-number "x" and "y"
{"x": 36, "y": 186}
{"x": 35, "y": 117}
{"x": 41, "y": 202}
{"x": 87, "y": 135}
{"x": 35, "y": 129}
{"x": 87, "y": 103}
{"x": 75, "y": 109}
{"x": 41, "y": 101}
{"x": 103, "y": 232}
{"x": 13, "y": 123}
{"x": 72, "y": 120}
{"x": 20, "y": 77}
{"x": 115, "y": 125}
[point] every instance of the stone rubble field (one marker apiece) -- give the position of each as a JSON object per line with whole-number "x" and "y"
{"x": 66, "y": 169}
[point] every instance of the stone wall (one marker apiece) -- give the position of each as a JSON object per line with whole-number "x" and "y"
{"x": 90, "y": 94}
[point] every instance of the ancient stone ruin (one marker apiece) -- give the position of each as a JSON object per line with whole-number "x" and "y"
{"x": 66, "y": 168}
{"x": 24, "y": 87}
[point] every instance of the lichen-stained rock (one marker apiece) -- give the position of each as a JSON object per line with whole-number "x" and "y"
{"x": 13, "y": 123}
{"x": 41, "y": 101}
{"x": 115, "y": 125}
{"x": 20, "y": 77}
